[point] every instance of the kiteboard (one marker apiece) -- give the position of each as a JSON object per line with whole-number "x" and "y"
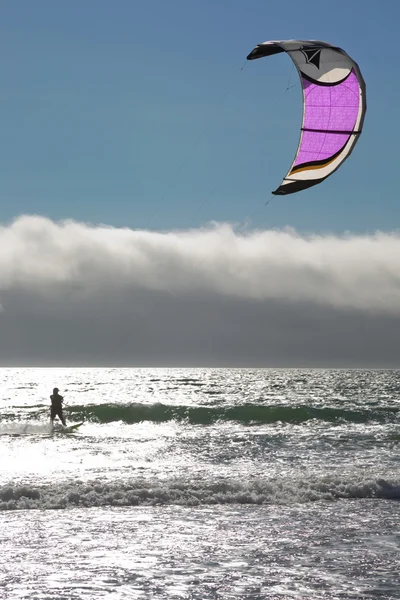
{"x": 73, "y": 427}
{"x": 69, "y": 428}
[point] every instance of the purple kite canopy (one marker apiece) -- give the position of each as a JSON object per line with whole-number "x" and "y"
{"x": 334, "y": 106}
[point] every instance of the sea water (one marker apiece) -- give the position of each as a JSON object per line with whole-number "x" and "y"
{"x": 200, "y": 483}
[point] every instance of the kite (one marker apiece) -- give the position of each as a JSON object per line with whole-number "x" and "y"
{"x": 334, "y": 106}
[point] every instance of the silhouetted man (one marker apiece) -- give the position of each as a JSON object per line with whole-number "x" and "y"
{"x": 56, "y": 407}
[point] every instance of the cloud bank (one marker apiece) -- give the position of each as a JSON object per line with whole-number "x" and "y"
{"x": 351, "y": 271}
{"x": 99, "y": 293}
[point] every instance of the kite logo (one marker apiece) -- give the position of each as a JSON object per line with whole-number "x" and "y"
{"x": 312, "y": 55}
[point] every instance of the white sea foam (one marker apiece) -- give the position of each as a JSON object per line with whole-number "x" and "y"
{"x": 25, "y": 428}
{"x": 187, "y": 493}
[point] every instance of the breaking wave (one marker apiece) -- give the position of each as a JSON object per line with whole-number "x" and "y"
{"x": 188, "y": 493}
{"x": 245, "y": 413}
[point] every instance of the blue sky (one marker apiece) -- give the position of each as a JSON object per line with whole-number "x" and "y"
{"x": 137, "y": 114}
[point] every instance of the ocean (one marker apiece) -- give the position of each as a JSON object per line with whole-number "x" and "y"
{"x": 200, "y": 484}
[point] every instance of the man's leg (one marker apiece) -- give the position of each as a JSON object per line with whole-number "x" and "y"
{"x": 61, "y": 416}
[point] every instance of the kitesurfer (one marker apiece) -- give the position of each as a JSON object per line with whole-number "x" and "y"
{"x": 56, "y": 406}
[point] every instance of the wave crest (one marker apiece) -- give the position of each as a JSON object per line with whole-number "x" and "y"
{"x": 245, "y": 413}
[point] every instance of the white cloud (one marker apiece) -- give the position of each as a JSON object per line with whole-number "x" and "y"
{"x": 359, "y": 272}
